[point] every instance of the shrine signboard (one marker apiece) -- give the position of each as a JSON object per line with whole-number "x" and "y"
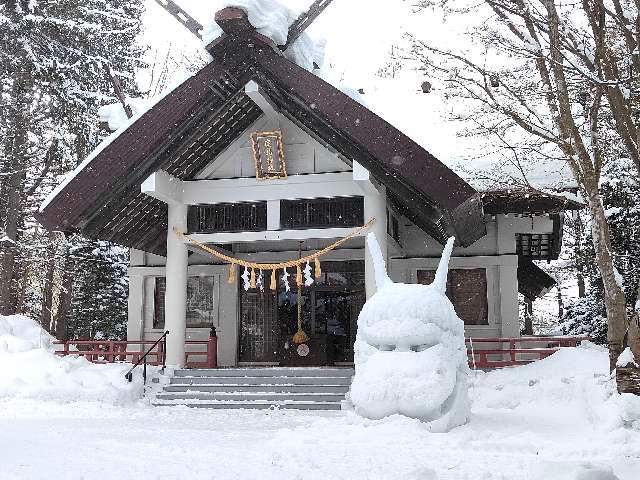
{"x": 268, "y": 153}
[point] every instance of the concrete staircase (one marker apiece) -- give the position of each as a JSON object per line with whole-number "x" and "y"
{"x": 258, "y": 388}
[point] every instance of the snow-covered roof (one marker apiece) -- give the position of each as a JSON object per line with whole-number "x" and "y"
{"x": 209, "y": 110}
{"x": 273, "y": 20}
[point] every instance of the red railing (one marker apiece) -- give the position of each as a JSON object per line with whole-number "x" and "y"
{"x": 487, "y": 353}
{"x": 111, "y": 351}
{"x": 484, "y": 353}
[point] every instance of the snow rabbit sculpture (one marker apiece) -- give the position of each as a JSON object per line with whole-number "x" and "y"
{"x": 410, "y": 353}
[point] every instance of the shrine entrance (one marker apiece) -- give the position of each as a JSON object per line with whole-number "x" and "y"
{"x": 330, "y": 308}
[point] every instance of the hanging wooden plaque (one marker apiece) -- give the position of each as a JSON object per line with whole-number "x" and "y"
{"x": 268, "y": 153}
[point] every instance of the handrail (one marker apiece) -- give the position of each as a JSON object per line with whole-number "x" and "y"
{"x": 129, "y": 374}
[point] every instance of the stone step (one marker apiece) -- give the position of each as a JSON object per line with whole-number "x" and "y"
{"x": 266, "y": 372}
{"x": 256, "y": 405}
{"x": 226, "y": 388}
{"x": 252, "y": 397}
{"x": 262, "y": 380}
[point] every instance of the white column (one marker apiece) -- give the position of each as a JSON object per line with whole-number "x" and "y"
{"x": 175, "y": 302}
{"x": 273, "y": 215}
{"x": 375, "y": 206}
{"x": 135, "y": 330}
{"x": 509, "y": 311}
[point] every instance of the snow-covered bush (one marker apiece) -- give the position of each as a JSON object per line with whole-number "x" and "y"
{"x": 410, "y": 353}
{"x": 29, "y": 368}
{"x": 584, "y": 317}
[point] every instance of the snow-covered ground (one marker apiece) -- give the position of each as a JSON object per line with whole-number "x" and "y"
{"x": 556, "y": 419}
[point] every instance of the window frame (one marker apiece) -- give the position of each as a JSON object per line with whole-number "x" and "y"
{"x": 157, "y": 301}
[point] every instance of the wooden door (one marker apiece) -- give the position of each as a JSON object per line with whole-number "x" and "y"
{"x": 259, "y": 329}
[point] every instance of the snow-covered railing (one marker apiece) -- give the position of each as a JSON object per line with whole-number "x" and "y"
{"x": 487, "y": 353}
{"x": 130, "y": 351}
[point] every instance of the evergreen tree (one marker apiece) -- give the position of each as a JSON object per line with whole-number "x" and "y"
{"x": 52, "y": 59}
{"x": 98, "y": 307}
{"x": 620, "y": 192}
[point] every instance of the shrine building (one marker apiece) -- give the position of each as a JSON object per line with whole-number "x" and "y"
{"x": 262, "y": 161}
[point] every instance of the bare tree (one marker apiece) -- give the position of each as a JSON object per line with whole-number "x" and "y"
{"x": 554, "y": 80}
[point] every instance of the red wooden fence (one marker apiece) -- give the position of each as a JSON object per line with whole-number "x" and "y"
{"x": 110, "y": 351}
{"x": 487, "y": 353}
{"x": 484, "y": 353}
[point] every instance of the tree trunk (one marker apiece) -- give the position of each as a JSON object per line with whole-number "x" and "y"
{"x": 581, "y": 287}
{"x": 64, "y": 300}
{"x": 560, "y": 301}
{"x": 579, "y": 230}
{"x": 16, "y": 153}
{"x": 46, "y": 313}
{"x": 615, "y": 301}
{"x": 528, "y": 317}
{"x": 22, "y": 292}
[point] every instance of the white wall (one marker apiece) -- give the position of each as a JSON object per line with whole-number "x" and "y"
{"x": 302, "y": 153}
{"x": 225, "y": 317}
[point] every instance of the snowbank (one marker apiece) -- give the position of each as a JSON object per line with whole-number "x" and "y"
{"x": 571, "y": 386}
{"x": 410, "y": 353}
{"x": 626, "y": 358}
{"x": 29, "y": 368}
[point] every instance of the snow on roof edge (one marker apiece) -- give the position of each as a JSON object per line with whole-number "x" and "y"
{"x": 108, "y": 141}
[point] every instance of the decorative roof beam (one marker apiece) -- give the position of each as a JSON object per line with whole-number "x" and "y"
{"x": 260, "y": 98}
{"x": 183, "y": 17}
{"x": 303, "y": 21}
{"x": 164, "y": 187}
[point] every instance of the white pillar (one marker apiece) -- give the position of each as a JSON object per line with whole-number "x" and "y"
{"x": 509, "y": 311}
{"x": 375, "y": 206}
{"x": 175, "y": 301}
{"x": 135, "y": 328}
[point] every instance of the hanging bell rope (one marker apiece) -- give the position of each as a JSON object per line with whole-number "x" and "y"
{"x": 274, "y": 266}
{"x": 300, "y": 336}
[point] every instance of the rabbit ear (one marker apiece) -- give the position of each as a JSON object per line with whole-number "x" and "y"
{"x": 379, "y": 266}
{"x": 440, "y": 281}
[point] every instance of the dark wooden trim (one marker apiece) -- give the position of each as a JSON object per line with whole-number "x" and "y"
{"x": 533, "y": 282}
{"x": 526, "y": 202}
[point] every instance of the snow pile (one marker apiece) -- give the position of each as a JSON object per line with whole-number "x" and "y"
{"x": 568, "y": 386}
{"x": 115, "y": 116}
{"x": 626, "y": 358}
{"x": 271, "y": 19}
{"x": 410, "y": 353}
{"x": 29, "y": 368}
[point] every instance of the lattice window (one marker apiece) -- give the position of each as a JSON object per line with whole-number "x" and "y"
{"x": 228, "y": 217}
{"x": 536, "y": 246}
{"x": 259, "y": 327}
{"x": 200, "y": 302}
{"x": 322, "y": 213}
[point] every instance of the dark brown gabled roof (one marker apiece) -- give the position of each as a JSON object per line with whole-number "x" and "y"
{"x": 526, "y": 202}
{"x": 189, "y": 127}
